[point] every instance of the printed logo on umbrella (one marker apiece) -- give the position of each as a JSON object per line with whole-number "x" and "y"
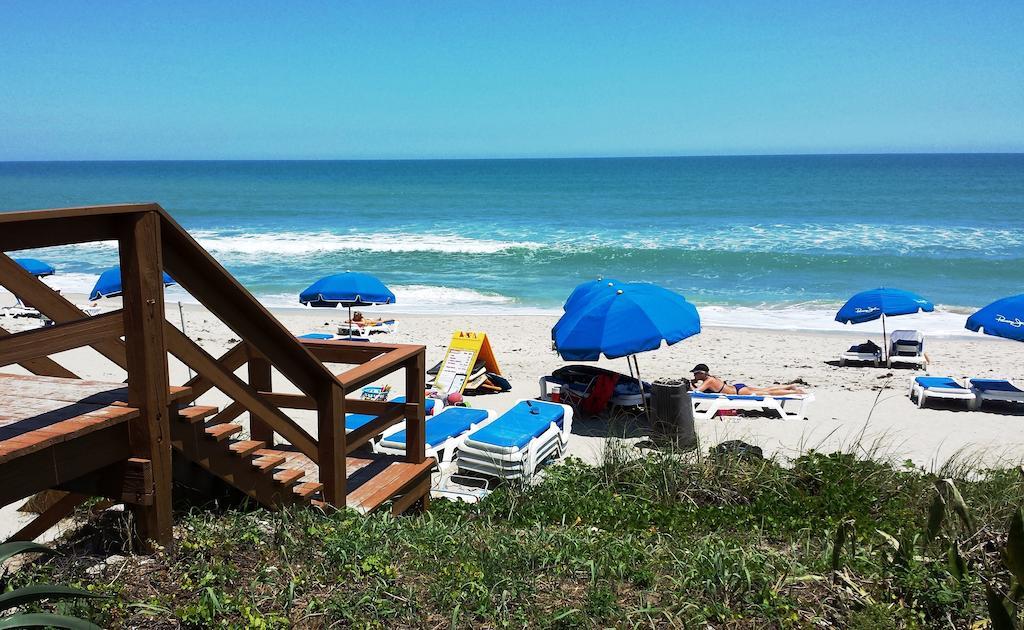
{"x": 1015, "y": 322}
{"x": 871, "y": 309}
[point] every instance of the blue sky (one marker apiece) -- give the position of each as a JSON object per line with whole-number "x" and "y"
{"x": 253, "y": 80}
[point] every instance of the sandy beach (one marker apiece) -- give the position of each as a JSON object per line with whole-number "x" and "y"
{"x": 854, "y": 407}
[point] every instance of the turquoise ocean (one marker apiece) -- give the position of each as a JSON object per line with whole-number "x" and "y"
{"x": 776, "y": 241}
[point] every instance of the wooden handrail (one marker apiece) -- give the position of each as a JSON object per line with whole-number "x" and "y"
{"x": 42, "y": 366}
{"x": 60, "y": 337}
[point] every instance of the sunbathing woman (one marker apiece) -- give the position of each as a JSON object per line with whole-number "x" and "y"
{"x": 705, "y": 382}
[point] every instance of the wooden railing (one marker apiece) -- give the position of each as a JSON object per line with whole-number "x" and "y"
{"x": 151, "y": 242}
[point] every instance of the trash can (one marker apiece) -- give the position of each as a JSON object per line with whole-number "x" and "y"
{"x": 672, "y": 412}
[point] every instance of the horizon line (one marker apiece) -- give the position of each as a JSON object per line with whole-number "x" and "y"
{"x": 519, "y": 158}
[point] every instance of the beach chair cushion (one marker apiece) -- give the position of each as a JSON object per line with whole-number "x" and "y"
{"x": 317, "y": 336}
{"x": 938, "y": 382}
{"x": 754, "y": 397}
{"x": 355, "y": 420}
{"x": 995, "y": 385}
{"x": 520, "y": 424}
{"x": 451, "y": 422}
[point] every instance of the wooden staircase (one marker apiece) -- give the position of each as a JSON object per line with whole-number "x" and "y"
{"x": 116, "y": 439}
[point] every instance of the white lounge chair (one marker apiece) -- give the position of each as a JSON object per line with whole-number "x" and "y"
{"x": 995, "y": 389}
{"x": 515, "y": 444}
{"x": 939, "y": 387}
{"x": 789, "y": 407}
{"x": 444, "y": 433}
{"x": 906, "y": 346}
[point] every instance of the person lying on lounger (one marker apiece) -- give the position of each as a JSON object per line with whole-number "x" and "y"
{"x": 703, "y": 381}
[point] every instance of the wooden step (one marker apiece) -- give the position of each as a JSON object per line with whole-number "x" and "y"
{"x": 221, "y": 432}
{"x": 244, "y": 448}
{"x": 196, "y": 413}
{"x": 288, "y": 476}
{"x": 393, "y": 480}
{"x": 307, "y": 489}
{"x": 268, "y": 458}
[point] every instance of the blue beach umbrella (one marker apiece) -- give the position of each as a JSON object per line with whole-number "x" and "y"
{"x": 584, "y": 292}
{"x": 347, "y": 289}
{"x": 36, "y": 267}
{"x": 109, "y": 284}
{"x": 1002, "y": 318}
{"x": 630, "y": 319}
{"x": 878, "y": 303}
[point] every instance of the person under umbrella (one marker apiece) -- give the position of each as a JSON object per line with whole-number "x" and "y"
{"x": 347, "y": 289}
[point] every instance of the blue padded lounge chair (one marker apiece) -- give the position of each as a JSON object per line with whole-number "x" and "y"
{"x": 444, "y": 433}
{"x": 996, "y": 389}
{"x": 514, "y": 445}
{"x": 942, "y": 387}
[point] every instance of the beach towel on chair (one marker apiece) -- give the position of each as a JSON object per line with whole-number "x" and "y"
{"x": 602, "y": 392}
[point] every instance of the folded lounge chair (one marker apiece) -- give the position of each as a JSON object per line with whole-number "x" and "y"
{"x": 906, "y": 346}
{"x": 924, "y": 387}
{"x": 995, "y": 389}
{"x": 862, "y": 353}
{"x": 577, "y": 382}
{"x": 444, "y": 433}
{"x": 793, "y": 406}
{"x": 514, "y": 445}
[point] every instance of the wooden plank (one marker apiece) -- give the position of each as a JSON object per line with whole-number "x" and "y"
{"x": 386, "y": 484}
{"x": 64, "y": 507}
{"x": 73, "y": 390}
{"x": 43, "y": 366}
{"x": 227, "y": 382}
{"x": 260, "y": 379}
{"x": 51, "y": 230}
{"x": 29, "y": 424}
{"x": 300, "y": 401}
{"x": 195, "y": 413}
{"x": 331, "y": 435}
{"x": 415, "y": 417}
{"x": 203, "y": 277}
{"x": 420, "y": 491}
{"x": 245, "y": 448}
{"x": 41, "y": 297}
{"x": 392, "y": 415}
{"x": 221, "y": 432}
{"x": 228, "y": 414}
{"x": 230, "y": 361}
{"x": 41, "y": 342}
{"x": 146, "y": 355}
{"x": 378, "y": 367}
{"x": 129, "y": 481}
{"x": 61, "y": 462}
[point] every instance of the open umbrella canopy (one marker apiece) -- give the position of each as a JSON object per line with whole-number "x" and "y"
{"x": 870, "y": 305}
{"x": 582, "y": 294}
{"x": 36, "y": 267}
{"x": 109, "y": 284}
{"x": 347, "y": 289}
{"x": 632, "y": 318}
{"x": 1002, "y": 318}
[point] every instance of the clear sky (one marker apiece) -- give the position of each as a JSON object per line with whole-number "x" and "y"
{"x": 254, "y": 80}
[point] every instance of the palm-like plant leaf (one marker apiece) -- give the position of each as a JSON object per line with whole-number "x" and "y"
{"x": 11, "y": 549}
{"x": 36, "y": 592}
{"x": 46, "y": 620}
{"x": 1013, "y": 552}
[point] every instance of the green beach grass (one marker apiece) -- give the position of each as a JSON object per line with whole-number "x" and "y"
{"x": 826, "y": 540}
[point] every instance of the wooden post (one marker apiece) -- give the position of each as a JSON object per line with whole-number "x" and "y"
{"x": 415, "y": 422}
{"x": 331, "y": 438}
{"x": 260, "y": 379}
{"x": 146, "y": 355}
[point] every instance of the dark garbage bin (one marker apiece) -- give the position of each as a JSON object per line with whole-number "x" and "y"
{"x": 672, "y": 412}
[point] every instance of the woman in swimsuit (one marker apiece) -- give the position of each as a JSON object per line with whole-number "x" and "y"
{"x": 705, "y": 382}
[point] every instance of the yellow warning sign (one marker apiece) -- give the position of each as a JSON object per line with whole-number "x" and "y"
{"x": 465, "y": 349}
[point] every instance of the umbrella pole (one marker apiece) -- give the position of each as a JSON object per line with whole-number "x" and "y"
{"x": 640, "y": 382}
{"x": 885, "y": 342}
{"x": 350, "y": 322}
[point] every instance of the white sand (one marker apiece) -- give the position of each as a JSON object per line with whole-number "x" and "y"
{"x": 854, "y": 405}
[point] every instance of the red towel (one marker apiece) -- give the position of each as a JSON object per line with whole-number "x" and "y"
{"x": 600, "y": 393}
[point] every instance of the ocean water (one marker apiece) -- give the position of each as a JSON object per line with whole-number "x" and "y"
{"x": 776, "y": 241}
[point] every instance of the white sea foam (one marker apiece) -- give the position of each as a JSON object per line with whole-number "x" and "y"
{"x": 307, "y": 243}
{"x": 945, "y": 321}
